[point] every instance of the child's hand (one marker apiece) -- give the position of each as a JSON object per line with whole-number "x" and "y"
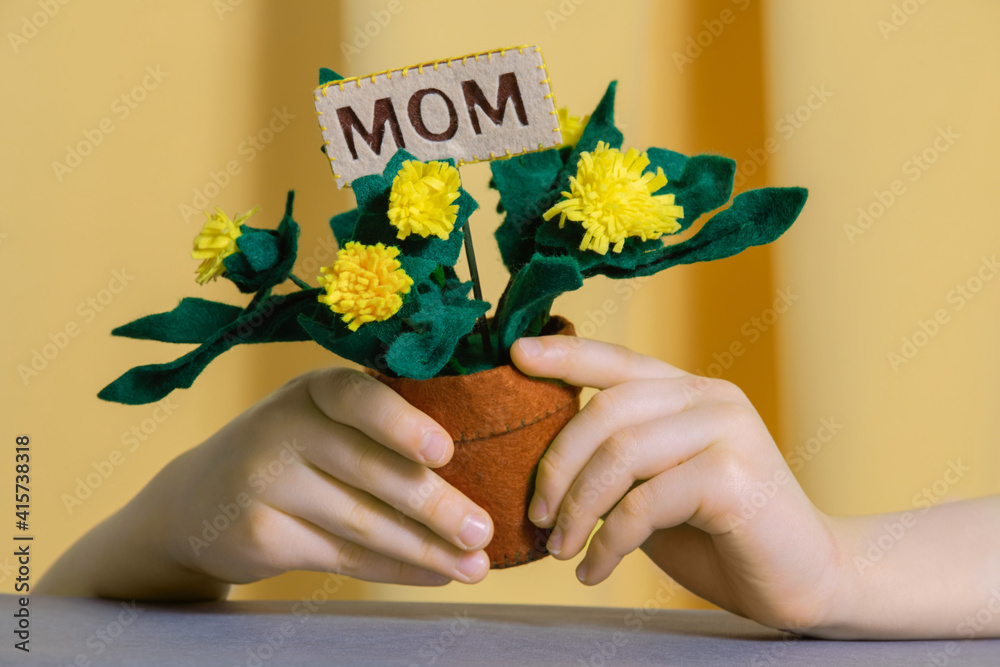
{"x": 329, "y": 473}
{"x": 716, "y": 507}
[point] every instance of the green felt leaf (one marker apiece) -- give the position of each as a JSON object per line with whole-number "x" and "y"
{"x": 526, "y": 184}
{"x": 417, "y": 268}
{"x": 443, "y": 317}
{"x": 700, "y": 184}
{"x": 259, "y": 247}
{"x": 755, "y": 217}
{"x": 266, "y": 256}
{"x": 366, "y": 346}
{"x": 342, "y": 225}
{"x": 532, "y": 291}
{"x": 671, "y": 162}
{"x": 555, "y": 241}
{"x": 372, "y": 223}
{"x": 272, "y": 319}
{"x": 150, "y": 383}
{"x": 600, "y": 127}
{"x": 326, "y": 75}
{"x": 192, "y": 321}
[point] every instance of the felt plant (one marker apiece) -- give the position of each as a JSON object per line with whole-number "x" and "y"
{"x": 393, "y": 301}
{"x": 217, "y": 241}
{"x": 420, "y": 201}
{"x": 612, "y": 198}
{"x": 365, "y": 285}
{"x": 571, "y": 127}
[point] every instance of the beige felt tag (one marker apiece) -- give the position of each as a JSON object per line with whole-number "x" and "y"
{"x": 477, "y": 107}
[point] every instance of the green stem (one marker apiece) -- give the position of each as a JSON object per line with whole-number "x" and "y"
{"x": 298, "y": 281}
{"x": 477, "y": 291}
{"x": 257, "y": 298}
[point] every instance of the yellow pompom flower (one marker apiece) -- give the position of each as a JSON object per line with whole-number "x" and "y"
{"x": 216, "y": 241}
{"x": 420, "y": 201}
{"x": 613, "y": 199}
{"x": 571, "y": 127}
{"x": 365, "y": 284}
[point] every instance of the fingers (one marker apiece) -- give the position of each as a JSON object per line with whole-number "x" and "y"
{"x": 359, "y": 400}
{"x": 609, "y": 412}
{"x": 586, "y": 363}
{"x": 635, "y": 453}
{"x": 669, "y": 499}
{"x": 304, "y": 546}
{"x": 363, "y": 520}
{"x": 358, "y": 461}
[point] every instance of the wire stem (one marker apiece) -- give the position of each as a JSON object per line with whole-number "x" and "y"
{"x": 477, "y": 291}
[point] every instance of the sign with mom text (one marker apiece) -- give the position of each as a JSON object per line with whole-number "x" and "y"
{"x": 473, "y": 108}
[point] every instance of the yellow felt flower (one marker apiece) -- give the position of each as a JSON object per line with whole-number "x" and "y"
{"x": 365, "y": 284}
{"x": 571, "y": 127}
{"x": 216, "y": 241}
{"x": 613, "y": 199}
{"x": 420, "y": 201}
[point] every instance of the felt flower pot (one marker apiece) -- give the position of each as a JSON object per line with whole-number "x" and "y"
{"x": 502, "y": 421}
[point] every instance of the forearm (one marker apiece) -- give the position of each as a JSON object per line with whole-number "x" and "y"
{"x": 125, "y": 557}
{"x": 931, "y": 573}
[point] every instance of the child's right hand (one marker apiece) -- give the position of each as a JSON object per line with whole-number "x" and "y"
{"x": 332, "y": 472}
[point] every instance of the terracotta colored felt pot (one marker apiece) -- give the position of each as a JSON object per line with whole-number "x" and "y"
{"x": 502, "y": 421}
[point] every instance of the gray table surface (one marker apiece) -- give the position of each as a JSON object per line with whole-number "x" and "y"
{"x": 73, "y": 631}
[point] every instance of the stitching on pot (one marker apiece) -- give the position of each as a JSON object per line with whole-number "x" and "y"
{"x": 559, "y": 407}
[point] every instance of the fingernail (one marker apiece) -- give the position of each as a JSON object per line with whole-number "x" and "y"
{"x": 471, "y": 565}
{"x": 554, "y": 545}
{"x": 581, "y": 572}
{"x": 530, "y": 347}
{"x": 474, "y": 531}
{"x": 433, "y": 447}
{"x": 538, "y": 511}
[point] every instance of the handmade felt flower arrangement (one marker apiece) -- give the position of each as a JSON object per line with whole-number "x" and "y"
{"x": 393, "y": 302}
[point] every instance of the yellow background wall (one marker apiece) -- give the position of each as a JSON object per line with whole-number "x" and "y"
{"x": 225, "y": 67}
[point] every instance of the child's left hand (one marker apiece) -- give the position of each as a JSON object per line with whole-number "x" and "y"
{"x": 683, "y": 467}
